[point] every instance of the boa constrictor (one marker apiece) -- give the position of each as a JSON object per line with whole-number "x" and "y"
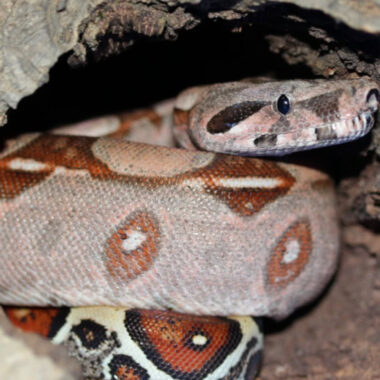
{"x": 120, "y": 239}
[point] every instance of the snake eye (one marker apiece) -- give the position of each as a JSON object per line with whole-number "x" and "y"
{"x": 283, "y": 104}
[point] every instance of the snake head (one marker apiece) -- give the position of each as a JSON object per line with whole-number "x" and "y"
{"x": 276, "y": 118}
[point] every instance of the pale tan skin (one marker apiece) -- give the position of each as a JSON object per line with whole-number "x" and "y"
{"x": 209, "y": 257}
{"x": 100, "y": 221}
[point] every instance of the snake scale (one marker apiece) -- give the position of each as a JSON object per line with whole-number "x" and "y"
{"x": 147, "y": 261}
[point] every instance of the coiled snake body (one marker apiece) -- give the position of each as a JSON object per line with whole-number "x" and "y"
{"x": 126, "y": 237}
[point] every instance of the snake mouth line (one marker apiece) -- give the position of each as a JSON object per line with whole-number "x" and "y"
{"x": 324, "y": 135}
{"x": 346, "y": 129}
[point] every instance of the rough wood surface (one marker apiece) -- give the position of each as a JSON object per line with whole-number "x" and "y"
{"x": 34, "y": 34}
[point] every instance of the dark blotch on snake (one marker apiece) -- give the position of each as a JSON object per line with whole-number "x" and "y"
{"x": 230, "y": 116}
{"x": 265, "y": 141}
{"x": 91, "y": 334}
{"x": 253, "y": 365}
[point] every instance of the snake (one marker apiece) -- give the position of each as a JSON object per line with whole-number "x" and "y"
{"x": 149, "y": 261}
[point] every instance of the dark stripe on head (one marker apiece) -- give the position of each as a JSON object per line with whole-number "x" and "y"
{"x": 230, "y": 116}
{"x": 325, "y": 106}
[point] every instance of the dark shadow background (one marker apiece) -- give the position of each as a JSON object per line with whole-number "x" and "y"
{"x": 146, "y": 73}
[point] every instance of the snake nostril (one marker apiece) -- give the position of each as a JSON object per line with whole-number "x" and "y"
{"x": 373, "y": 95}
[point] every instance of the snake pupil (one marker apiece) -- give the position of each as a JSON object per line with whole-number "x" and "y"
{"x": 283, "y": 104}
